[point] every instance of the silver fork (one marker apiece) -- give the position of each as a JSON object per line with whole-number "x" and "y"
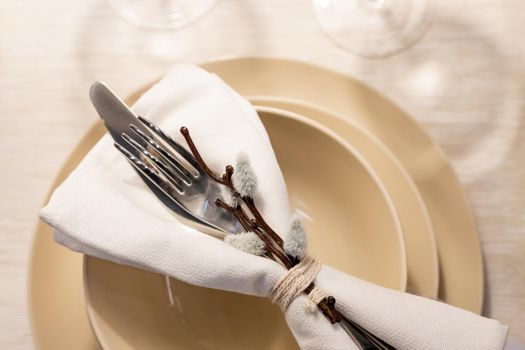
{"x": 169, "y": 170}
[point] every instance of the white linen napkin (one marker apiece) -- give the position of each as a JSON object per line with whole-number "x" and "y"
{"x": 103, "y": 209}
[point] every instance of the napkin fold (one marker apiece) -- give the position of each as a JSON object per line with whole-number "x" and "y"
{"x": 103, "y": 209}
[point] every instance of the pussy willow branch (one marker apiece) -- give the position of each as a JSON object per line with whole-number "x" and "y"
{"x": 259, "y": 226}
{"x": 226, "y": 180}
{"x": 273, "y": 243}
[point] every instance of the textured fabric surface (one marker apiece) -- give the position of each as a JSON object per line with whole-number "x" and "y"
{"x": 104, "y": 210}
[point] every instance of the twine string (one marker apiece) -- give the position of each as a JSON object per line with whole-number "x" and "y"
{"x": 295, "y": 281}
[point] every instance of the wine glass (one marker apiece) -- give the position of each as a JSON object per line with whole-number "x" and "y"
{"x": 161, "y": 14}
{"x": 374, "y": 28}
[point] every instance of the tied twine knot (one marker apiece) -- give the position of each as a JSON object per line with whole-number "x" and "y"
{"x": 295, "y": 281}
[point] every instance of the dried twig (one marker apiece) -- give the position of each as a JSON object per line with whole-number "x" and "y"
{"x": 273, "y": 242}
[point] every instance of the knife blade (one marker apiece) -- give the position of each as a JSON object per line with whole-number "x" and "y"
{"x": 114, "y": 112}
{"x": 117, "y": 118}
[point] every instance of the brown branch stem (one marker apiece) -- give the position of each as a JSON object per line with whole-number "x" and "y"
{"x": 248, "y": 225}
{"x": 227, "y": 177}
{"x": 237, "y": 212}
{"x": 260, "y": 220}
{"x": 275, "y": 250}
{"x": 186, "y": 133}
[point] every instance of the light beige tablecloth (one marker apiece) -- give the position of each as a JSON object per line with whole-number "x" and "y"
{"x": 464, "y": 81}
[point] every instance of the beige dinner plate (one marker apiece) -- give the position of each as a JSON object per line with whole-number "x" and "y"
{"x": 57, "y": 308}
{"x": 352, "y": 225}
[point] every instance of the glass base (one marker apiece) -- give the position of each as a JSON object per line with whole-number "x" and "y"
{"x": 374, "y": 28}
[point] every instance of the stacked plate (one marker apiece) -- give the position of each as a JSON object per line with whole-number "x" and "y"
{"x": 361, "y": 172}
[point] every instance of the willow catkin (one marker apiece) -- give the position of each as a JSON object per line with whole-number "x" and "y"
{"x": 248, "y": 242}
{"x": 244, "y": 179}
{"x": 295, "y": 239}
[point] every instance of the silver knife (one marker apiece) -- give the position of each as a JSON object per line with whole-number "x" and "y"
{"x": 116, "y": 115}
{"x": 117, "y": 118}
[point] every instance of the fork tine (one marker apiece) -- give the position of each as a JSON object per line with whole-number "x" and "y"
{"x": 172, "y": 194}
{"x": 169, "y": 189}
{"x": 164, "y": 153}
{"x": 187, "y": 156}
{"x": 157, "y": 163}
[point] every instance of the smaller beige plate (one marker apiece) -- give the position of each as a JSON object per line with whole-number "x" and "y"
{"x": 422, "y": 260}
{"x": 352, "y": 225}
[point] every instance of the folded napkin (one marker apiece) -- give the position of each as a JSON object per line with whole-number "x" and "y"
{"x": 103, "y": 209}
